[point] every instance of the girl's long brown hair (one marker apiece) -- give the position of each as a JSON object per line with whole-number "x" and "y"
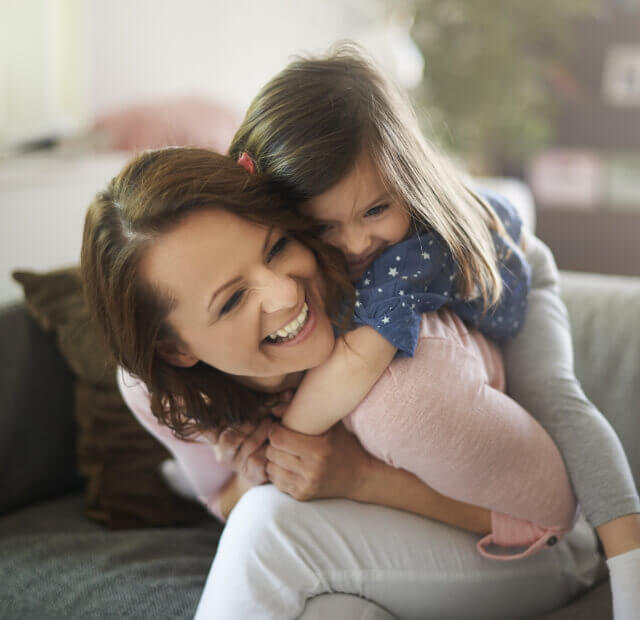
{"x": 309, "y": 124}
{"x": 153, "y": 193}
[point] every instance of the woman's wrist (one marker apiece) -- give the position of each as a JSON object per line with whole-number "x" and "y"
{"x": 231, "y": 493}
{"x": 365, "y": 479}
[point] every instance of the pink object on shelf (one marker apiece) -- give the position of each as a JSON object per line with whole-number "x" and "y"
{"x": 192, "y": 121}
{"x": 566, "y": 177}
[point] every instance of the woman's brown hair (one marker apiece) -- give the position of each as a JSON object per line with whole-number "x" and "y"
{"x": 309, "y": 124}
{"x": 154, "y": 193}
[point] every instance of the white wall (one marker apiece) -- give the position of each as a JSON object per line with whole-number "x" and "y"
{"x": 68, "y": 60}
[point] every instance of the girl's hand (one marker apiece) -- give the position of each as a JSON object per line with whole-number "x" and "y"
{"x": 333, "y": 464}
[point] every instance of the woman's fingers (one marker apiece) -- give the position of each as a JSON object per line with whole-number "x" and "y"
{"x": 247, "y": 459}
{"x": 286, "y": 481}
{"x": 286, "y": 460}
{"x": 299, "y": 444}
{"x": 255, "y": 468}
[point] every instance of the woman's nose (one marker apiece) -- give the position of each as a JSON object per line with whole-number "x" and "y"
{"x": 279, "y": 291}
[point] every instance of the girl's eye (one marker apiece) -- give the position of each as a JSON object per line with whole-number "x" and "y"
{"x": 232, "y": 302}
{"x": 377, "y": 210}
{"x": 277, "y": 248}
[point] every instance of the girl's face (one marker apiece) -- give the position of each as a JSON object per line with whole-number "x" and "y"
{"x": 359, "y": 216}
{"x": 248, "y": 300}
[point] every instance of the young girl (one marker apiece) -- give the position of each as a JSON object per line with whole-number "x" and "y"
{"x": 406, "y": 273}
{"x": 322, "y": 119}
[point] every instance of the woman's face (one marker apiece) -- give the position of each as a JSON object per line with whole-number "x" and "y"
{"x": 359, "y": 217}
{"x": 248, "y": 299}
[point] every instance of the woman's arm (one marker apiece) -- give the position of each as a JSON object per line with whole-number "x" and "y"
{"x": 330, "y": 391}
{"x": 196, "y": 458}
{"x": 335, "y": 465}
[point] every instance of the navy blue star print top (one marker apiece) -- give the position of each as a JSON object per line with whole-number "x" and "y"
{"x": 418, "y": 275}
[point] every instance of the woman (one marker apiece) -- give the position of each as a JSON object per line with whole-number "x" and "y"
{"x": 163, "y": 249}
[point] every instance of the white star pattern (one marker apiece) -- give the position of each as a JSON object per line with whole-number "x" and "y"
{"x": 431, "y": 291}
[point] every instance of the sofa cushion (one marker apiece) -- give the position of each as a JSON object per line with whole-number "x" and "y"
{"x": 116, "y": 455}
{"x": 605, "y": 324}
{"x": 55, "y": 564}
{"x": 37, "y": 429}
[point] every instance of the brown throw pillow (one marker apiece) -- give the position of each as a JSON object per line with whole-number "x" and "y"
{"x": 116, "y": 455}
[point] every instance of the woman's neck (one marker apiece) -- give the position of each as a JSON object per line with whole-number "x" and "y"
{"x": 273, "y": 385}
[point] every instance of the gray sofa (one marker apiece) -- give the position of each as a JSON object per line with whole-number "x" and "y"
{"x": 54, "y": 563}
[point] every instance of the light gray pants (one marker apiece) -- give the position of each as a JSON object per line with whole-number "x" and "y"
{"x": 276, "y": 554}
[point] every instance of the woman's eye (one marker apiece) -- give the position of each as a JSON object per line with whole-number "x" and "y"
{"x": 377, "y": 210}
{"x": 321, "y": 229}
{"x": 279, "y": 245}
{"x": 232, "y": 302}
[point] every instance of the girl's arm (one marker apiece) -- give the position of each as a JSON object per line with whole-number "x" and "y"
{"x": 332, "y": 390}
{"x": 540, "y": 375}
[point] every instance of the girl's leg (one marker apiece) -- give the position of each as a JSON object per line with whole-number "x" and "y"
{"x": 540, "y": 376}
{"x": 276, "y": 554}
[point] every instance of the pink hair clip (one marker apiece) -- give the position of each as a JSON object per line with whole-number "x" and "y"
{"x": 247, "y": 163}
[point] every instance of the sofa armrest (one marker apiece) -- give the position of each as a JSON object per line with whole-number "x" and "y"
{"x": 37, "y": 436}
{"x": 605, "y": 323}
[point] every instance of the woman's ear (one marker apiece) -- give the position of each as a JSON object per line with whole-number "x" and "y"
{"x": 173, "y": 355}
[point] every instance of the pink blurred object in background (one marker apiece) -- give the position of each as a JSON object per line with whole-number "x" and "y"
{"x": 192, "y": 121}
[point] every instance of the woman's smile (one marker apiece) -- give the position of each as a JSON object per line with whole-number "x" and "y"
{"x": 290, "y": 330}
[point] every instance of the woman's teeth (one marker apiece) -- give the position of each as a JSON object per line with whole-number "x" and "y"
{"x": 291, "y": 330}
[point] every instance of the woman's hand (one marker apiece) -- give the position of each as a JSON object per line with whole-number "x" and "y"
{"x": 333, "y": 464}
{"x": 243, "y": 449}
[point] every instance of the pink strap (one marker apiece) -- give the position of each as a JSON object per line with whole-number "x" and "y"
{"x": 247, "y": 163}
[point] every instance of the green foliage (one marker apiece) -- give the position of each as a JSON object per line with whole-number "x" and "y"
{"x": 486, "y": 63}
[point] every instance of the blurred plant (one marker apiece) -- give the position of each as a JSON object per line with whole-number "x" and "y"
{"x": 486, "y": 67}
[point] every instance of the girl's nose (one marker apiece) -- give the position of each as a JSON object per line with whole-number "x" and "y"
{"x": 279, "y": 291}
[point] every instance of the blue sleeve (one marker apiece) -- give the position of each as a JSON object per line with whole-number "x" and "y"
{"x": 408, "y": 279}
{"x": 418, "y": 275}
{"x": 507, "y": 317}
